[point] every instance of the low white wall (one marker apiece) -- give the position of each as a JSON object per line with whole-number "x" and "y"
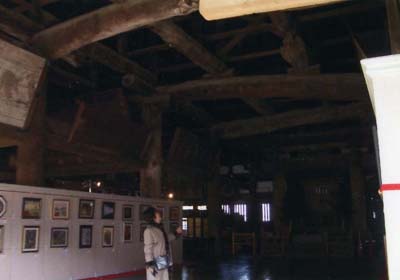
{"x": 72, "y": 263}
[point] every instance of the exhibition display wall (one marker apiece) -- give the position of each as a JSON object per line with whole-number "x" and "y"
{"x": 52, "y": 234}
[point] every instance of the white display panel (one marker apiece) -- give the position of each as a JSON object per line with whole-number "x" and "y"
{"x": 72, "y": 262}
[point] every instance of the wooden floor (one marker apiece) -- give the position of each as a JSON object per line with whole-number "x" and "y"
{"x": 247, "y": 269}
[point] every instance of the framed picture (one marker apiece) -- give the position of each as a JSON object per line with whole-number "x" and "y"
{"x": 174, "y": 213}
{"x": 30, "y": 239}
{"x": 85, "y": 236}
{"x": 108, "y": 236}
{"x": 142, "y": 209}
{"x": 161, "y": 210}
{"x": 108, "y": 210}
{"x": 1, "y": 238}
{"x": 3, "y": 206}
{"x": 127, "y": 212}
{"x": 127, "y": 230}
{"x": 31, "y": 208}
{"x": 60, "y": 209}
{"x": 59, "y": 238}
{"x": 142, "y": 229}
{"x": 86, "y": 209}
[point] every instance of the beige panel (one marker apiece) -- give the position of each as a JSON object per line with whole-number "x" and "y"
{"x": 212, "y": 9}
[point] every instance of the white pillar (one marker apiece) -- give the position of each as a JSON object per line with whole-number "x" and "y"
{"x": 383, "y": 79}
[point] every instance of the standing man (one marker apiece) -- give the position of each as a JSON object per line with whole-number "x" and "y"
{"x": 157, "y": 249}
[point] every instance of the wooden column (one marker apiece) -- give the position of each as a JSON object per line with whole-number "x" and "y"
{"x": 280, "y": 188}
{"x": 151, "y": 176}
{"x": 30, "y": 152}
{"x": 214, "y": 208}
{"x": 357, "y": 184}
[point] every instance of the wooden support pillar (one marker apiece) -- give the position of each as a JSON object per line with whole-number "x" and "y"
{"x": 280, "y": 187}
{"x": 357, "y": 185}
{"x": 151, "y": 175}
{"x": 31, "y": 149}
{"x": 393, "y": 15}
{"x": 214, "y": 209}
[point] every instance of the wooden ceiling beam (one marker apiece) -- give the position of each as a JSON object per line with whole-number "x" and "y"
{"x": 68, "y": 36}
{"x": 97, "y": 52}
{"x": 248, "y": 30}
{"x": 267, "y": 124}
{"x": 53, "y": 170}
{"x": 174, "y": 36}
{"x": 321, "y": 87}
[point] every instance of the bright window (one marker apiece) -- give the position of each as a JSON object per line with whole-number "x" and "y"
{"x": 241, "y": 209}
{"x": 184, "y": 224}
{"x": 266, "y": 212}
{"x": 226, "y": 209}
{"x": 187, "y": 207}
{"x": 202, "y": 207}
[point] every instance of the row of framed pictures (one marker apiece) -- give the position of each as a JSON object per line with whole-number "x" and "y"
{"x": 59, "y": 236}
{"x": 32, "y": 209}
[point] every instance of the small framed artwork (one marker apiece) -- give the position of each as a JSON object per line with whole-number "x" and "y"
{"x": 142, "y": 209}
{"x": 85, "y": 236}
{"x": 174, "y": 213}
{"x": 30, "y": 239}
{"x": 127, "y": 230}
{"x": 31, "y": 208}
{"x": 108, "y": 236}
{"x": 108, "y": 210}
{"x": 142, "y": 229}
{"x": 86, "y": 209}
{"x": 60, "y": 209}
{"x": 59, "y": 238}
{"x": 161, "y": 210}
{"x": 127, "y": 212}
{"x": 3, "y": 206}
{"x": 1, "y": 238}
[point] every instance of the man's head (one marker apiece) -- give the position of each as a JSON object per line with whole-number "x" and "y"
{"x": 151, "y": 215}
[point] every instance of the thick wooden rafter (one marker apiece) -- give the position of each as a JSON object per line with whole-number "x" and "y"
{"x": 267, "y": 124}
{"x": 73, "y": 34}
{"x": 97, "y": 52}
{"x": 322, "y": 87}
{"x": 181, "y": 41}
{"x": 60, "y": 143}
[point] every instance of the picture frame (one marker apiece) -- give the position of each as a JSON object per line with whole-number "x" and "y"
{"x": 108, "y": 210}
{"x": 3, "y": 206}
{"x": 127, "y": 212}
{"x": 127, "y": 232}
{"x": 142, "y": 229}
{"x": 60, "y": 209}
{"x": 30, "y": 239}
{"x": 31, "y": 208}
{"x": 174, "y": 213}
{"x": 85, "y": 236}
{"x": 86, "y": 208}
{"x": 2, "y": 232}
{"x": 59, "y": 237}
{"x": 108, "y": 237}
{"x": 142, "y": 209}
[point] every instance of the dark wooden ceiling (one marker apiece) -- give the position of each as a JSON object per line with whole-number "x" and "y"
{"x": 323, "y": 40}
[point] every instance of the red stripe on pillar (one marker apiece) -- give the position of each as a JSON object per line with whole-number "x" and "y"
{"x": 390, "y": 187}
{"x": 119, "y": 275}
